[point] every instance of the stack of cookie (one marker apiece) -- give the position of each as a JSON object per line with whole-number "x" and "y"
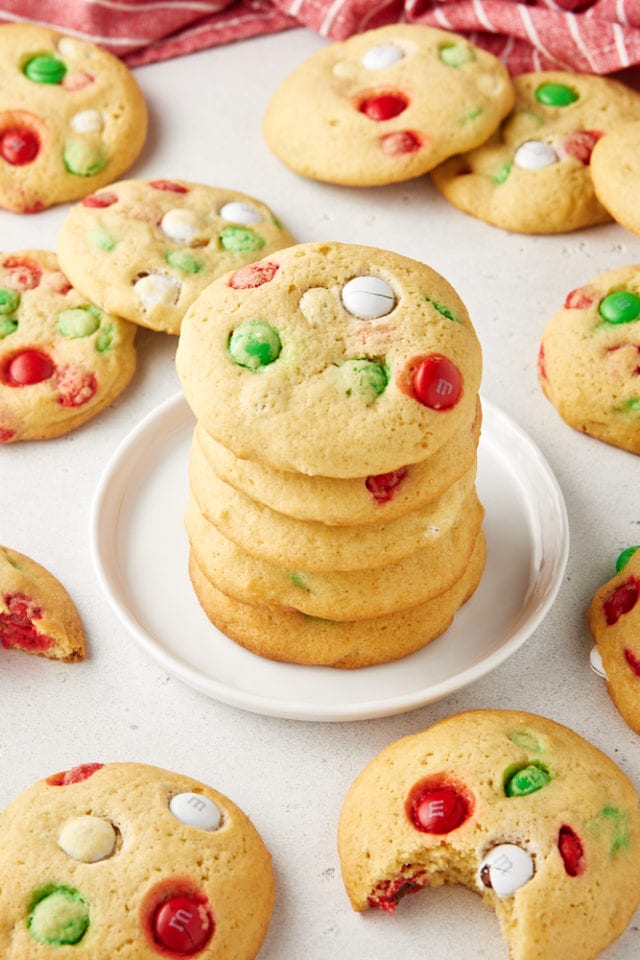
{"x": 333, "y": 516}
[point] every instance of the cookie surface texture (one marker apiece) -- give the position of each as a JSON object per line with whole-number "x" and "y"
{"x": 145, "y": 249}
{"x": 72, "y": 118}
{"x": 331, "y": 359}
{"x": 614, "y": 621}
{"x": 588, "y": 358}
{"x": 533, "y": 175}
{"x": 37, "y": 614}
{"x": 62, "y": 358}
{"x": 130, "y": 861}
{"x": 286, "y": 634}
{"x": 386, "y": 105}
{"x": 314, "y": 545}
{"x": 360, "y": 500}
{"x": 517, "y": 808}
{"x": 615, "y": 169}
{"x": 336, "y": 594}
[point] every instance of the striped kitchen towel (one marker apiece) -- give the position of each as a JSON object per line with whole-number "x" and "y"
{"x": 595, "y": 36}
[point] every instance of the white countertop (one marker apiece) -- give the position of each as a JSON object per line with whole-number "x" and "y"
{"x": 290, "y": 775}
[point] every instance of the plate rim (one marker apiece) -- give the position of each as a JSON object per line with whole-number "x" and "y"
{"x": 176, "y": 407}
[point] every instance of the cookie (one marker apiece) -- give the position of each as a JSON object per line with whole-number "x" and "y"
{"x": 588, "y": 358}
{"x": 533, "y": 176}
{"x": 130, "y": 861}
{"x": 37, "y": 614}
{"x": 515, "y": 807}
{"x": 615, "y": 170}
{"x": 331, "y": 359}
{"x": 145, "y": 249}
{"x": 373, "y": 499}
{"x": 341, "y": 594}
{"x": 614, "y": 621}
{"x": 72, "y": 117}
{"x": 386, "y": 105}
{"x": 62, "y": 358}
{"x": 313, "y": 545}
{"x": 291, "y": 636}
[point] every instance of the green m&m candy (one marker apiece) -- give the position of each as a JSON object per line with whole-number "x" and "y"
{"x": 623, "y": 306}
{"x": 364, "y": 378}
{"x": 84, "y": 159}
{"x": 240, "y": 239}
{"x": 44, "y": 68}
{"x": 555, "y": 95}
{"x": 78, "y": 322}
{"x": 9, "y": 301}
{"x": 624, "y": 557}
{"x": 526, "y": 780}
{"x": 184, "y": 260}
{"x": 58, "y": 915}
{"x": 456, "y": 54}
{"x": 254, "y": 344}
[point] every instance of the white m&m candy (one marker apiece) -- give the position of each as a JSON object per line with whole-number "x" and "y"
{"x": 194, "y": 810}
{"x": 535, "y": 154}
{"x": 381, "y": 56}
{"x": 506, "y": 868}
{"x": 238, "y": 211}
{"x": 157, "y": 288}
{"x": 368, "y": 297}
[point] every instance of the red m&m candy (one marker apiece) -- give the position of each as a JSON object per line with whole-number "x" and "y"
{"x": 621, "y": 601}
{"x": 385, "y": 106}
{"x": 26, "y": 368}
{"x": 19, "y": 146}
{"x": 182, "y": 924}
{"x": 75, "y": 775}
{"x": 437, "y": 809}
{"x": 253, "y": 275}
{"x": 571, "y": 851}
{"x": 437, "y": 382}
{"x": 399, "y": 142}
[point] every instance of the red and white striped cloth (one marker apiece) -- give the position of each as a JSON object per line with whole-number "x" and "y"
{"x": 595, "y": 36}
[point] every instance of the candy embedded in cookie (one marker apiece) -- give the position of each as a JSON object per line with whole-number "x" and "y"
{"x": 37, "y": 615}
{"x": 515, "y": 807}
{"x": 331, "y": 359}
{"x": 72, "y": 117}
{"x": 614, "y": 621}
{"x": 62, "y": 358}
{"x": 533, "y": 175}
{"x": 386, "y": 105}
{"x": 145, "y": 249}
{"x": 161, "y": 867}
{"x": 589, "y": 358}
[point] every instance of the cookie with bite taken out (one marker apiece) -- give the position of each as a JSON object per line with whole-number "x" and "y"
{"x": 130, "y": 861}
{"x": 514, "y": 806}
{"x": 37, "y": 614}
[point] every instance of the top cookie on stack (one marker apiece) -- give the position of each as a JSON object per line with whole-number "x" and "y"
{"x": 386, "y": 105}
{"x": 333, "y": 465}
{"x": 331, "y": 359}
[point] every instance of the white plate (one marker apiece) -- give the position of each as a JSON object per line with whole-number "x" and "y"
{"x": 140, "y": 551}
